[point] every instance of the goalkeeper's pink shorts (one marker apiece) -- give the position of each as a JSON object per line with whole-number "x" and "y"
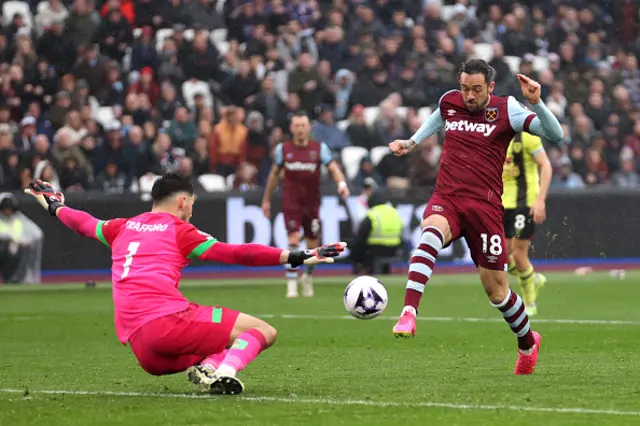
{"x": 175, "y": 342}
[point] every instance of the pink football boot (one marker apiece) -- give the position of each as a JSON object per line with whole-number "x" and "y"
{"x": 406, "y": 325}
{"x": 527, "y": 362}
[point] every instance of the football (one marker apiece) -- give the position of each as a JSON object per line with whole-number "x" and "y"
{"x": 365, "y": 297}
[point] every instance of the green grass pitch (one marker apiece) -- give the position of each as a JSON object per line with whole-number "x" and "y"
{"x": 61, "y": 364}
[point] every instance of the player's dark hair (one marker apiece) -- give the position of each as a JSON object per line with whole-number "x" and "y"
{"x": 300, "y": 114}
{"x": 170, "y": 184}
{"x": 478, "y": 66}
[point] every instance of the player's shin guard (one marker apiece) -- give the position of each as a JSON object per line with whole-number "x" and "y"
{"x": 245, "y": 349}
{"x": 526, "y": 280}
{"x": 513, "y": 311}
{"x": 422, "y": 263}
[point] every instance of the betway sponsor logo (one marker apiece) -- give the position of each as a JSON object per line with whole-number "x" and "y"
{"x": 299, "y": 166}
{"x": 466, "y": 126}
{"x": 137, "y": 226}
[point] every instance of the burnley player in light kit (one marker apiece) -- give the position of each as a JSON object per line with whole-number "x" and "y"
{"x": 167, "y": 333}
{"x": 467, "y": 198}
{"x": 300, "y": 161}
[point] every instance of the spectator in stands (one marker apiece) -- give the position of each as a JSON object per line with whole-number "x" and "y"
{"x": 56, "y": 47}
{"x": 257, "y": 141}
{"x": 185, "y": 169}
{"x": 182, "y": 130}
{"x": 72, "y": 177}
{"x": 110, "y": 180}
{"x": 567, "y": 179}
{"x": 46, "y": 172}
{"x": 366, "y": 172}
{"x": 242, "y": 88}
{"x": 627, "y": 176}
{"x": 10, "y": 167}
{"x": 326, "y": 130}
{"x": 305, "y": 82}
{"x": 200, "y": 157}
{"x": 425, "y": 163}
{"x": 65, "y": 146}
{"x": 394, "y": 171}
{"x": 50, "y": 11}
{"x": 24, "y": 139}
{"x": 268, "y": 103}
{"x": 246, "y": 178}
{"x": 228, "y": 143}
{"x": 143, "y": 51}
{"x": 83, "y": 22}
{"x": 343, "y": 84}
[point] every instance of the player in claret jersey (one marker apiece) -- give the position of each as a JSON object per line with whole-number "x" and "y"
{"x": 301, "y": 159}
{"x": 467, "y": 198}
{"x": 166, "y": 332}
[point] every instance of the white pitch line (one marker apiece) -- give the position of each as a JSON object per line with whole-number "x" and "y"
{"x": 323, "y": 401}
{"x": 389, "y": 318}
{"x": 456, "y": 319}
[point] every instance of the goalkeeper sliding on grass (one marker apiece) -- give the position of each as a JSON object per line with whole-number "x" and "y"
{"x": 166, "y": 332}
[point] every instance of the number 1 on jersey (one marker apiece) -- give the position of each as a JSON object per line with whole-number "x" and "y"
{"x": 128, "y": 259}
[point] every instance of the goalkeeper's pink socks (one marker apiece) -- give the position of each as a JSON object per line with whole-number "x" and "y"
{"x": 245, "y": 349}
{"x": 215, "y": 360}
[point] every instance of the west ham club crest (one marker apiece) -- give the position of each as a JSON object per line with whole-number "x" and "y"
{"x": 491, "y": 114}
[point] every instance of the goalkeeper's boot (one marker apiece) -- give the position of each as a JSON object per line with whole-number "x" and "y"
{"x": 527, "y": 360}
{"x": 307, "y": 285}
{"x": 406, "y": 325}
{"x": 202, "y": 376}
{"x": 214, "y": 383}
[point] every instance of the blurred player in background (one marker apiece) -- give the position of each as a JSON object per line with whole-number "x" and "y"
{"x": 166, "y": 332}
{"x": 526, "y": 177}
{"x": 467, "y": 198}
{"x": 301, "y": 159}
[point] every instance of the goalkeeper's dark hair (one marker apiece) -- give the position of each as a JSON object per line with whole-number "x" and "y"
{"x": 170, "y": 184}
{"x": 478, "y": 66}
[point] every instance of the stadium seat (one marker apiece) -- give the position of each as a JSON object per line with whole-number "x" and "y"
{"x": 145, "y": 183}
{"x": 402, "y": 112}
{"x": 343, "y": 124}
{"x": 351, "y": 157}
{"x": 424, "y": 113}
{"x": 12, "y": 8}
{"x": 370, "y": 115}
{"x": 229, "y": 181}
{"x": 218, "y": 35}
{"x": 447, "y": 12}
{"x": 514, "y": 63}
{"x": 105, "y": 116}
{"x": 189, "y": 34}
{"x": 161, "y": 35}
{"x": 41, "y": 7}
{"x": 223, "y": 47}
{"x": 409, "y": 23}
{"x": 137, "y": 32}
{"x": 190, "y": 88}
{"x": 212, "y": 183}
{"x": 540, "y": 63}
{"x": 377, "y": 153}
{"x": 483, "y": 51}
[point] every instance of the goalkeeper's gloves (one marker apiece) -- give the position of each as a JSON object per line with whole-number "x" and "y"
{"x": 322, "y": 254}
{"x": 46, "y": 195}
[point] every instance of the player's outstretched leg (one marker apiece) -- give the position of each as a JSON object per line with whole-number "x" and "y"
{"x": 250, "y": 336}
{"x": 291, "y": 276}
{"x": 434, "y": 236}
{"x": 306, "y": 280}
{"x": 530, "y": 281}
{"x": 510, "y": 304}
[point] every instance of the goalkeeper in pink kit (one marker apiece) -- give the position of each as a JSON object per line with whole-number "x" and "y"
{"x": 167, "y": 333}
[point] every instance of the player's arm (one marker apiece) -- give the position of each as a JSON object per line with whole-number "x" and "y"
{"x": 195, "y": 244}
{"x": 334, "y": 170}
{"x": 273, "y": 180}
{"x": 433, "y": 125}
{"x": 78, "y": 221}
{"x": 538, "y": 210}
{"x": 540, "y": 121}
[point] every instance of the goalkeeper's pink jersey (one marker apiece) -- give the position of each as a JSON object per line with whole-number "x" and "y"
{"x": 149, "y": 252}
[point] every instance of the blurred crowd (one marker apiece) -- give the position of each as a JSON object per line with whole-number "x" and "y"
{"x": 102, "y": 95}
